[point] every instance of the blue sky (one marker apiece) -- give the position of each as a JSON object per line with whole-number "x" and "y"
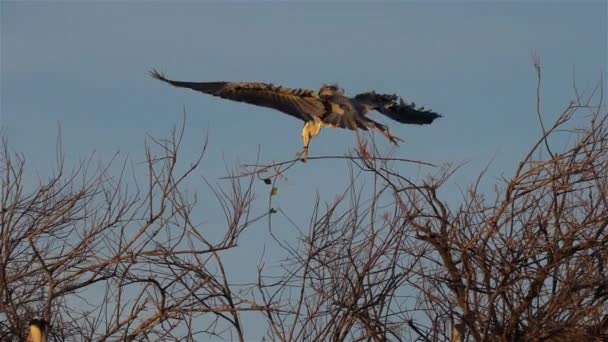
{"x": 83, "y": 66}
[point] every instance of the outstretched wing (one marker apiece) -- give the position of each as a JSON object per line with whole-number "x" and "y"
{"x": 301, "y": 103}
{"x": 398, "y": 111}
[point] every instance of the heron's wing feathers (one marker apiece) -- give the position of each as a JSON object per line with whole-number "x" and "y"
{"x": 301, "y": 103}
{"x": 398, "y": 110}
{"x": 408, "y": 113}
{"x": 344, "y": 119}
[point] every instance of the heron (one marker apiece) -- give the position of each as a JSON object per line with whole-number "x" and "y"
{"x": 327, "y": 107}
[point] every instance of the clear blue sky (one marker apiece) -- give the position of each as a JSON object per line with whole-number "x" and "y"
{"x": 82, "y": 65}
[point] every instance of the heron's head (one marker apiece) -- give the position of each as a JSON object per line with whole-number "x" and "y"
{"x": 330, "y": 90}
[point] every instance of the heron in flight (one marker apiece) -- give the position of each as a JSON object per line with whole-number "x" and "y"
{"x": 328, "y": 107}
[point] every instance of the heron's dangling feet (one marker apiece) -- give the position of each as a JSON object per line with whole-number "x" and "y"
{"x": 384, "y": 131}
{"x": 393, "y": 138}
{"x": 304, "y": 154}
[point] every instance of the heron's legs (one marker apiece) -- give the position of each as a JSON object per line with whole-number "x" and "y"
{"x": 310, "y": 130}
{"x": 384, "y": 131}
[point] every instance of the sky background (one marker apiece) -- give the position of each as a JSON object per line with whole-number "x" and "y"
{"x": 82, "y": 66}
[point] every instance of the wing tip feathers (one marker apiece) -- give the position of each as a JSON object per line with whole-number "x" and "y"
{"x": 429, "y": 114}
{"x": 157, "y": 75}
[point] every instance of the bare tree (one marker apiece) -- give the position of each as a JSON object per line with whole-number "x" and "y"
{"x": 103, "y": 258}
{"x": 530, "y": 264}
